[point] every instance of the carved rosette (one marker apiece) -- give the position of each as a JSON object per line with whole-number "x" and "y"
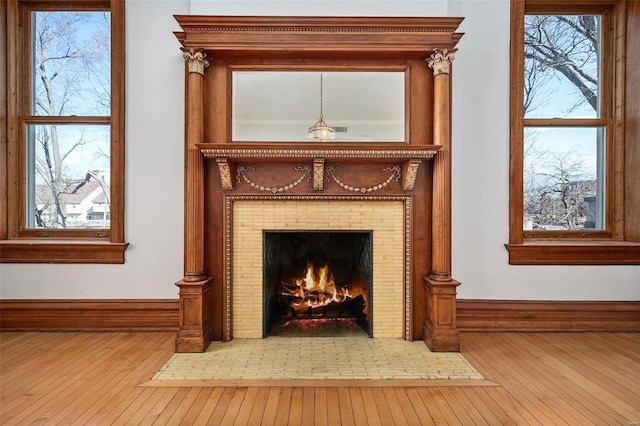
{"x": 440, "y": 61}
{"x": 196, "y": 60}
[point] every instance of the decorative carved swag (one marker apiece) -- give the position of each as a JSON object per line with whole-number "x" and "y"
{"x": 241, "y": 176}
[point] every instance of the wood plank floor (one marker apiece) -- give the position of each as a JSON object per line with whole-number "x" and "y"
{"x": 542, "y": 378}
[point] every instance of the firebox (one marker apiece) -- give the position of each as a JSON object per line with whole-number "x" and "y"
{"x": 317, "y": 283}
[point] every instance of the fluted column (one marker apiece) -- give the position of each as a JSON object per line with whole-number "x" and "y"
{"x": 195, "y": 316}
{"x": 440, "y": 331}
{"x": 194, "y": 220}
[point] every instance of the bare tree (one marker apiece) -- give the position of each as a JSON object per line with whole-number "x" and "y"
{"x": 71, "y": 70}
{"x": 558, "y": 197}
{"x": 564, "y": 44}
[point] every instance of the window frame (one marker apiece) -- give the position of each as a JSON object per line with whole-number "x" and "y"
{"x": 19, "y": 244}
{"x": 573, "y": 247}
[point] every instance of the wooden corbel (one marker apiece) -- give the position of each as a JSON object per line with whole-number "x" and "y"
{"x": 318, "y": 174}
{"x": 225, "y": 173}
{"x": 410, "y": 172}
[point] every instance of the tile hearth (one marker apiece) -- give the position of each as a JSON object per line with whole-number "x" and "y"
{"x": 318, "y": 358}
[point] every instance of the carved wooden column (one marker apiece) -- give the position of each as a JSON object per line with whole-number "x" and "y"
{"x": 195, "y": 330}
{"x": 440, "y": 332}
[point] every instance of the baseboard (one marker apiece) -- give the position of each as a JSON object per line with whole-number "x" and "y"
{"x": 523, "y": 315}
{"x": 89, "y": 315}
{"x": 472, "y": 315}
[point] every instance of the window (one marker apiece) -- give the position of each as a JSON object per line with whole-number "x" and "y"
{"x": 65, "y": 128}
{"x": 566, "y": 123}
{"x": 567, "y": 202}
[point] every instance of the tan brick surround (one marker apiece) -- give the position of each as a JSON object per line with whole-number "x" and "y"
{"x": 387, "y": 218}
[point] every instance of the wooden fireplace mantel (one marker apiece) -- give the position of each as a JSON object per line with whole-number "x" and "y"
{"x": 422, "y": 47}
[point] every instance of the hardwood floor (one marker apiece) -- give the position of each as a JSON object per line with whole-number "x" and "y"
{"x": 540, "y": 378}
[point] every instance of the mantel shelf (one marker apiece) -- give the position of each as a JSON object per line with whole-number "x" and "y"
{"x": 347, "y": 152}
{"x": 410, "y": 155}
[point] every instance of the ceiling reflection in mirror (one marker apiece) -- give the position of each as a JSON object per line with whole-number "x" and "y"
{"x": 283, "y": 106}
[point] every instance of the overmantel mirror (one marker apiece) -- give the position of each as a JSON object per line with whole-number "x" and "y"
{"x": 318, "y": 126}
{"x": 320, "y": 105}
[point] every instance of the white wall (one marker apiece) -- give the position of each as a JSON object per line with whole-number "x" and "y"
{"x": 320, "y": 7}
{"x": 154, "y": 169}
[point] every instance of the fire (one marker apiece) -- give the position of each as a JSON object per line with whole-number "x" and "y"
{"x": 317, "y": 288}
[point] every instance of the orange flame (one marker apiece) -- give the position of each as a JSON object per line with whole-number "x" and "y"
{"x": 317, "y": 288}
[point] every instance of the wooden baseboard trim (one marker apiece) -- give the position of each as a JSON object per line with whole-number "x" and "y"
{"x": 89, "y": 315}
{"x": 519, "y": 315}
{"x": 472, "y": 315}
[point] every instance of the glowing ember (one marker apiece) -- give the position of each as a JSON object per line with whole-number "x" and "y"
{"x": 316, "y": 289}
{"x": 321, "y": 326}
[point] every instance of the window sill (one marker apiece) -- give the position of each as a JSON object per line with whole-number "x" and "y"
{"x": 574, "y": 253}
{"x": 21, "y": 251}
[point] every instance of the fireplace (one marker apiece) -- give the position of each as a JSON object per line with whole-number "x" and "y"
{"x": 317, "y": 283}
{"x": 242, "y": 194}
{"x": 382, "y": 223}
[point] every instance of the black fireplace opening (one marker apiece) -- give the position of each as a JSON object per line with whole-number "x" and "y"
{"x": 317, "y": 283}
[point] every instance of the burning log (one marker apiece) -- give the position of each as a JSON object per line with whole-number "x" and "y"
{"x": 317, "y": 296}
{"x": 296, "y": 289}
{"x": 354, "y": 306}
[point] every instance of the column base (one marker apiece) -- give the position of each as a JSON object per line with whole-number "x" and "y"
{"x": 440, "y": 332}
{"x": 192, "y": 341}
{"x": 195, "y": 323}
